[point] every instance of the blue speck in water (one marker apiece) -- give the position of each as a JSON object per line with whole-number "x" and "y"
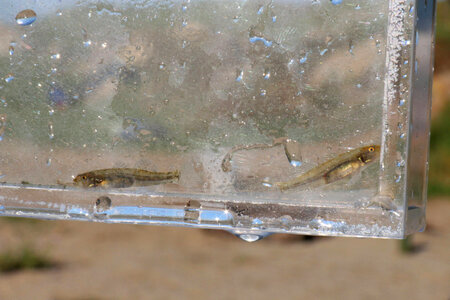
{"x": 260, "y": 39}
{"x": 57, "y": 97}
{"x": 336, "y": 2}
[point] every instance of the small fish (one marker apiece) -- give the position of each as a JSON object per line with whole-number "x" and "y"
{"x": 123, "y": 177}
{"x": 335, "y": 169}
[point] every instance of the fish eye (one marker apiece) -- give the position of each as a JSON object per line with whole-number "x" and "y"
{"x": 371, "y": 149}
{"x": 84, "y": 177}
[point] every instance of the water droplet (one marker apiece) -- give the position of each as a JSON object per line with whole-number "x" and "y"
{"x": 401, "y": 102}
{"x": 55, "y": 56}
{"x": 50, "y": 131}
{"x": 104, "y": 45}
{"x": 398, "y": 178}
{"x": 400, "y": 163}
{"x": 357, "y": 7}
{"x": 250, "y": 237}
{"x": 87, "y": 43}
{"x": 59, "y": 12}
{"x": 266, "y": 182}
{"x": 260, "y": 10}
{"x": 405, "y": 62}
{"x": 11, "y": 50}
{"x": 255, "y": 39}
{"x": 184, "y": 7}
{"x": 257, "y": 221}
{"x": 303, "y": 59}
{"x": 162, "y": 66}
{"x": 323, "y": 52}
{"x": 402, "y": 136}
{"x": 263, "y": 92}
{"x": 293, "y": 152}
{"x": 274, "y": 19}
{"x": 406, "y": 43}
{"x": 240, "y": 76}
{"x": 359, "y": 85}
{"x": 49, "y": 162}
{"x": 235, "y": 19}
{"x": 102, "y": 203}
{"x": 26, "y": 17}
{"x": 266, "y": 74}
{"x": 184, "y": 23}
{"x": 9, "y": 78}
{"x": 336, "y": 2}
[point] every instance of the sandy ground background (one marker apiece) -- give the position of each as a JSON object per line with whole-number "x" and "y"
{"x": 100, "y": 261}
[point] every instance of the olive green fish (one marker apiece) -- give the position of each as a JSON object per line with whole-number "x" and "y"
{"x": 123, "y": 177}
{"x": 335, "y": 169}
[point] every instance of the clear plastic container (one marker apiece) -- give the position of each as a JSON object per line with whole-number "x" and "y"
{"x": 304, "y": 117}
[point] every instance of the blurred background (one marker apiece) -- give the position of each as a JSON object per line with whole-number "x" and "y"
{"x": 80, "y": 261}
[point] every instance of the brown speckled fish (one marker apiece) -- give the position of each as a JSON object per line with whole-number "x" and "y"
{"x": 335, "y": 169}
{"x": 123, "y": 177}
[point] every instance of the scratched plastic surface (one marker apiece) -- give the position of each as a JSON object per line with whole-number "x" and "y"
{"x": 277, "y": 87}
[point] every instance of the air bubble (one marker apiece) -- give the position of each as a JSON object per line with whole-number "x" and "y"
{"x": 274, "y": 19}
{"x": 26, "y": 17}
{"x": 401, "y": 102}
{"x": 266, "y": 74}
{"x": 11, "y": 50}
{"x": 55, "y": 56}
{"x": 263, "y": 93}
{"x": 87, "y": 43}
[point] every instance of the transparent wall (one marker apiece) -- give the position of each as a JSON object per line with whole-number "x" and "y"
{"x": 250, "y": 116}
